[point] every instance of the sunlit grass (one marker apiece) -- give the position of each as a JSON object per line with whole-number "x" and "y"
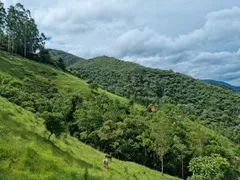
{"x": 25, "y": 153}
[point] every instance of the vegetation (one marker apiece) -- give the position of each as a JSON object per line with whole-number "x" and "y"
{"x": 163, "y": 140}
{"x": 25, "y": 153}
{"x": 183, "y": 127}
{"x": 22, "y": 35}
{"x": 68, "y": 58}
{"x": 212, "y": 167}
{"x": 215, "y": 107}
{"x": 19, "y": 35}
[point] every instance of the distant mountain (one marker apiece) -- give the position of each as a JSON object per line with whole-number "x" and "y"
{"x": 68, "y": 58}
{"x": 222, "y": 84}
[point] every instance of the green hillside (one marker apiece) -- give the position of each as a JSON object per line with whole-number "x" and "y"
{"x": 216, "y": 107}
{"x": 60, "y": 114}
{"x": 68, "y": 58}
{"x": 105, "y": 121}
{"x": 20, "y": 69}
{"x": 23, "y": 136}
{"x": 25, "y": 153}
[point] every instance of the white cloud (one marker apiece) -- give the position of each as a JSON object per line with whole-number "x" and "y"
{"x": 209, "y": 52}
{"x": 198, "y": 38}
{"x": 7, "y": 3}
{"x": 81, "y": 16}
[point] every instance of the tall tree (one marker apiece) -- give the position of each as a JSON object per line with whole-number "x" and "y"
{"x": 160, "y": 132}
{"x": 10, "y": 27}
{"x": 2, "y": 21}
{"x": 180, "y": 149}
{"x": 61, "y": 64}
{"x": 23, "y": 35}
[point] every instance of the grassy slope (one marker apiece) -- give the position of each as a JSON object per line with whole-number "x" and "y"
{"x": 32, "y": 156}
{"x": 20, "y": 68}
{"x": 25, "y": 153}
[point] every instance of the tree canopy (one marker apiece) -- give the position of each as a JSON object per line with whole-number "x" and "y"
{"x": 22, "y": 32}
{"x": 213, "y": 106}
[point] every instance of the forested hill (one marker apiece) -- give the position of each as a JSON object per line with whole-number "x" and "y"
{"x": 214, "y": 106}
{"x": 68, "y": 58}
{"x": 65, "y": 104}
{"x": 222, "y": 84}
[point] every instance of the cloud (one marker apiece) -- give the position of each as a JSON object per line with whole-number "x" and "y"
{"x": 218, "y": 32}
{"x": 81, "y": 16}
{"x": 7, "y": 3}
{"x": 208, "y": 52}
{"x": 198, "y": 38}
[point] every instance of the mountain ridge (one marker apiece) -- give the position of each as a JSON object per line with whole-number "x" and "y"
{"x": 222, "y": 83}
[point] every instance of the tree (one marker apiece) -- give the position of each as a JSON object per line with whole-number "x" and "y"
{"x": 10, "y": 19}
{"x": 208, "y": 168}
{"x": 198, "y": 139}
{"x": 23, "y": 35}
{"x": 44, "y": 56}
{"x": 110, "y": 133}
{"x": 180, "y": 149}
{"x": 54, "y": 123}
{"x": 76, "y": 100}
{"x": 61, "y": 64}
{"x": 94, "y": 86}
{"x": 31, "y": 37}
{"x": 160, "y": 132}
{"x": 2, "y": 21}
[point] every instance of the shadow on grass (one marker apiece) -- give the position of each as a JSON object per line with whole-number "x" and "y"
{"x": 29, "y": 135}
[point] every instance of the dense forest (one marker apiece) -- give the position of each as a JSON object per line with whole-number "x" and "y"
{"x": 192, "y": 133}
{"x": 213, "y": 106}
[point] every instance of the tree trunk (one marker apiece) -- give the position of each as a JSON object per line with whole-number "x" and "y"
{"x": 182, "y": 167}
{"x": 145, "y": 156}
{"x": 13, "y": 48}
{"x": 25, "y": 50}
{"x": 162, "y": 164}
{"x": 8, "y": 42}
{"x": 25, "y": 43}
{"x": 1, "y": 39}
{"x": 50, "y": 136}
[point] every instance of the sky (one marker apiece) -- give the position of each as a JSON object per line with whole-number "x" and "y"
{"x": 200, "y": 38}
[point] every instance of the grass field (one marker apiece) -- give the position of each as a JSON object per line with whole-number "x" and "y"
{"x": 25, "y": 153}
